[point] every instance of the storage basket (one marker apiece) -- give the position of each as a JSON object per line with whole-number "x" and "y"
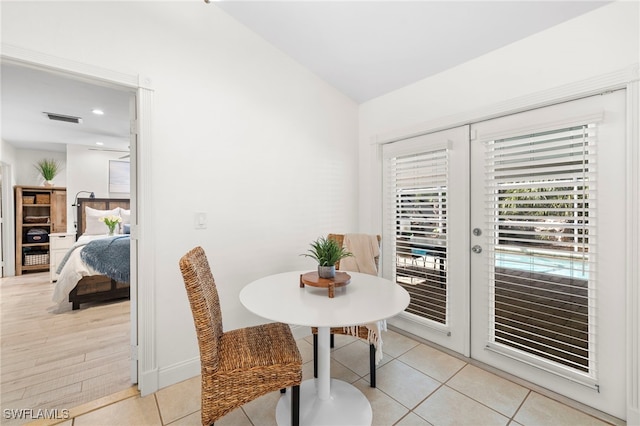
{"x": 37, "y": 235}
{"x": 36, "y": 219}
{"x": 43, "y": 198}
{"x": 36, "y": 258}
{"x": 28, "y": 199}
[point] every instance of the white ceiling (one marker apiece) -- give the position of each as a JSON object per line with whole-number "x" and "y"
{"x": 368, "y": 48}
{"x": 363, "y": 48}
{"x": 27, "y": 93}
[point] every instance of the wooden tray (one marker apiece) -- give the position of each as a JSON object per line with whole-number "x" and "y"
{"x": 312, "y": 279}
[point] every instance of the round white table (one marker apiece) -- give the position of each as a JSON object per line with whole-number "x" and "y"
{"x": 367, "y": 298}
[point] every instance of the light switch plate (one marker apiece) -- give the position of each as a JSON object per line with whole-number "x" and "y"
{"x": 200, "y": 220}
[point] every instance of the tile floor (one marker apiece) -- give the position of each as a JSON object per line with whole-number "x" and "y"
{"x": 417, "y": 385}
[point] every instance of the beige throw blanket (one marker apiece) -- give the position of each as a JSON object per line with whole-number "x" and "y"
{"x": 365, "y": 249}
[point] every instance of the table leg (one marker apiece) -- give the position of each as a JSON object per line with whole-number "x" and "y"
{"x": 324, "y": 363}
{"x": 325, "y": 401}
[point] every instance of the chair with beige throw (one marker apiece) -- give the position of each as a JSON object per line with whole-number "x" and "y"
{"x": 366, "y": 254}
{"x": 240, "y": 365}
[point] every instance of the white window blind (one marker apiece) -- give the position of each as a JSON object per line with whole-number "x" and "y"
{"x": 416, "y": 186}
{"x": 541, "y": 209}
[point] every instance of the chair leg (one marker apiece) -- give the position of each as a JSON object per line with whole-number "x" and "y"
{"x": 331, "y": 340}
{"x": 295, "y": 405}
{"x": 315, "y": 355}
{"x": 372, "y": 365}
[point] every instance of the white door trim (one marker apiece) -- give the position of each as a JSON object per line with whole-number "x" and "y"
{"x": 633, "y": 253}
{"x": 140, "y": 197}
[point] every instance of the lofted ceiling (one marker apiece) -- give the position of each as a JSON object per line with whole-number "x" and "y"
{"x": 363, "y": 48}
{"x": 368, "y": 48}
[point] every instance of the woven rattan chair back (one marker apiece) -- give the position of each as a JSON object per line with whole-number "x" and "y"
{"x": 205, "y": 304}
{"x": 239, "y": 365}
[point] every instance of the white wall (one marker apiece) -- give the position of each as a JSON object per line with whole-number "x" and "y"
{"x": 87, "y": 170}
{"x": 240, "y": 132}
{"x": 26, "y": 173}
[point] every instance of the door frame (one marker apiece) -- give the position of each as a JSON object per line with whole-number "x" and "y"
{"x": 8, "y": 222}
{"x": 143, "y": 326}
{"x": 627, "y": 78}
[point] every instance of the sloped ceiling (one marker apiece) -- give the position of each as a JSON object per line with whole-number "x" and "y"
{"x": 363, "y": 48}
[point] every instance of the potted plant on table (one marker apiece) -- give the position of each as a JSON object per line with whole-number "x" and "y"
{"x": 48, "y": 169}
{"x": 327, "y": 253}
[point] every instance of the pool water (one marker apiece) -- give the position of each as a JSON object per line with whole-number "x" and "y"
{"x": 571, "y": 268}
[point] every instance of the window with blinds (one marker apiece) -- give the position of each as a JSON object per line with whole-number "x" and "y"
{"x": 416, "y": 200}
{"x": 540, "y": 200}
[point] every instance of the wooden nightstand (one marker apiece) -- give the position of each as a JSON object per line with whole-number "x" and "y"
{"x": 59, "y": 245}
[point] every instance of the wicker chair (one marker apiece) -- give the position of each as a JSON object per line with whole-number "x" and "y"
{"x": 240, "y": 365}
{"x": 363, "y": 332}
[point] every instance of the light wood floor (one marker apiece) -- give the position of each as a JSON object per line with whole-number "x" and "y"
{"x": 59, "y": 361}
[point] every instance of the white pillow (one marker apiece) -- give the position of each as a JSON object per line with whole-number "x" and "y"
{"x": 125, "y": 215}
{"x": 126, "y": 219}
{"x": 93, "y": 226}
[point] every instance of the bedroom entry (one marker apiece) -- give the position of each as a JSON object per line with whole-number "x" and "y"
{"x": 509, "y": 235}
{"x": 79, "y": 180}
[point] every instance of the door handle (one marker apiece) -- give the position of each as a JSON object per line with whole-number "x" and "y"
{"x": 476, "y": 249}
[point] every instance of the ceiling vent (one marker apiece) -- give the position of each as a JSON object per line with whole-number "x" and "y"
{"x": 65, "y": 118}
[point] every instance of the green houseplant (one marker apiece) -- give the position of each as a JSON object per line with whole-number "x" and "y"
{"x": 48, "y": 169}
{"x": 327, "y": 253}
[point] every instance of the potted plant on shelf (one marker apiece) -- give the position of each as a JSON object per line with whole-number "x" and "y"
{"x": 327, "y": 253}
{"x": 48, "y": 169}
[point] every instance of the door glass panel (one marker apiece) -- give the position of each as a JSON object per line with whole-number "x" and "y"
{"x": 539, "y": 197}
{"x": 419, "y": 187}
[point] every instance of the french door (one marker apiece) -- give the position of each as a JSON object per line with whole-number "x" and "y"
{"x": 425, "y": 235}
{"x": 548, "y": 271}
{"x": 509, "y": 236}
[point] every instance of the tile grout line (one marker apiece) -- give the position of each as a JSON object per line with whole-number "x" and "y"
{"x": 157, "y": 404}
{"x": 513, "y": 417}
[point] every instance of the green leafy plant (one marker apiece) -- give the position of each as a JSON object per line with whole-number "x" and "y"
{"x": 326, "y": 252}
{"x": 48, "y": 168}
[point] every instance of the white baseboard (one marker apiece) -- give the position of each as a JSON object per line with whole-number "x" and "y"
{"x": 179, "y": 372}
{"x": 148, "y": 382}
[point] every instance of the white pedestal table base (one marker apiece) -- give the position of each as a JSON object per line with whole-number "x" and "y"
{"x": 347, "y": 406}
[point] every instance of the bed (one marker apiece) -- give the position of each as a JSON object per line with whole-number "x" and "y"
{"x": 81, "y": 280}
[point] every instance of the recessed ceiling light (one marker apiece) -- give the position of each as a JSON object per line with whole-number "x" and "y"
{"x": 97, "y": 111}
{"x": 100, "y": 143}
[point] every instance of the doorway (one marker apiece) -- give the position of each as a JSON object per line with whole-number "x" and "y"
{"x": 511, "y": 244}
{"x": 132, "y": 123}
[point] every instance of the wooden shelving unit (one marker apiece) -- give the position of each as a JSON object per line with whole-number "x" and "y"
{"x": 37, "y": 202}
